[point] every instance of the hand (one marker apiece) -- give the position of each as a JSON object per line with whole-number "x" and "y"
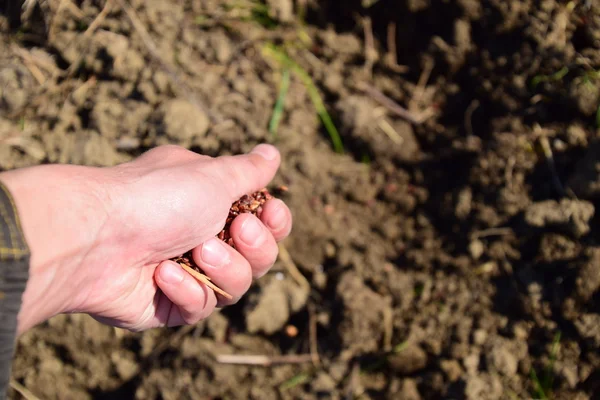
{"x": 99, "y": 237}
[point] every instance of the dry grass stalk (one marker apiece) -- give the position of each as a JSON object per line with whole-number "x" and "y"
{"x": 87, "y": 34}
{"x": 291, "y": 267}
{"x": 22, "y": 390}
{"x": 205, "y": 280}
{"x": 371, "y": 54}
{"x": 492, "y": 232}
{"x": 391, "y": 105}
{"x": 99, "y": 19}
{"x": 420, "y": 89}
{"x": 469, "y": 116}
{"x": 263, "y": 360}
{"x": 391, "y": 56}
{"x": 312, "y": 336}
{"x": 388, "y": 323}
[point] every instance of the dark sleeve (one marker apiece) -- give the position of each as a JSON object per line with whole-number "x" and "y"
{"x": 14, "y": 272}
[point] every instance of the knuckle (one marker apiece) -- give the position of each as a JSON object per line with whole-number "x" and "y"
{"x": 171, "y": 148}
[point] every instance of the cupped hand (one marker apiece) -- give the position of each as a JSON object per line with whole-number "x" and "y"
{"x": 101, "y": 238}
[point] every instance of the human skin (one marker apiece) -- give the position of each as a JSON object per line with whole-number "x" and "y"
{"x": 101, "y": 238}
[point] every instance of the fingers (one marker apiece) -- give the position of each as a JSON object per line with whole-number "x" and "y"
{"x": 193, "y": 301}
{"x": 226, "y": 268}
{"x": 277, "y": 218}
{"x": 247, "y": 173}
{"x": 255, "y": 242}
{"x": 233, "y": 270}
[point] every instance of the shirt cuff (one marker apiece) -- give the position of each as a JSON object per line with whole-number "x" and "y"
{"x": 14, "y": 272}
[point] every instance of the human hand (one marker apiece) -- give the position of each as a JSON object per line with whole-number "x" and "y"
{"x": 101, "y": 238}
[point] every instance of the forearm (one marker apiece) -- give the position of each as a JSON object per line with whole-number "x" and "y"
{"x": 57, "y": 239}
{"x": 14, "y": 273}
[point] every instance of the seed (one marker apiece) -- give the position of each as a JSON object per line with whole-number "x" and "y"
{"x": 246, "y": 204}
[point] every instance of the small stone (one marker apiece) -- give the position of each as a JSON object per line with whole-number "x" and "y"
{"x": 291, "y": 331}
{"x": 471, "y": 363}
{"x": 520, "y": 332}
{"x": 281, "y": 10}
{"x": 410, "y": 390}
{"x": 503, "y": 359}
{"x": 476, "y": 249}
{"x": 126, "y": 368}
{"x": 559, "y": 145}
{"x": 217, "y": 325}
{"x": 319, "y": 278}
{"x": 411, "y": 359}
{"x": 480, "y": 336}
{"x": 464, "y": 203}
{"x": 570, "y": 374}
{"x": 323, "y": 383}
{"x": 483, "y": 387}
{"x": 452, "y": 369}
{"x": 330, "y": 250}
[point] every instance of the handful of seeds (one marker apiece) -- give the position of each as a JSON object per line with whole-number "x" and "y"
{"x": 251, "y": 203}
{"x": 246, "y": 204}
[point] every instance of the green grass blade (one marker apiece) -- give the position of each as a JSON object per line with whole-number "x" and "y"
{"x": 400, "y": 347}
{"x": 549, "y": 379}
{"x": 294, "y": 381}
{"x": 539, "y": 390}
{"x": 283, "y": 59}
{"x": 555, "y": 77}
{"x": 334, "y": 135}
{"x": 279, "y": 105}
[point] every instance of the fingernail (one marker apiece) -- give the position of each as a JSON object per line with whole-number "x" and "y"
{"x": 277, "y": 217}
{"x": 214, "y": 253}
{"x": 252, "y": 232}
{"x": 171, "y": 274}
{"x": 266, "y": 151}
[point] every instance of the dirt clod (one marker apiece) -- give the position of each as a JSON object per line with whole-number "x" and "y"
{"x": 570, "y": 216}
{"x": 585, "y": 180}
{"x": 409, "y": 360}
{"x": 363, "y": 314}
{"x": 183, "y": 120}
{"x": 281, "y": 299}
{"x": 588, "y": 281}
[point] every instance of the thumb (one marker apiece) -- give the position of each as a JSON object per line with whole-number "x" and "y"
{"x": 247, "y": 173}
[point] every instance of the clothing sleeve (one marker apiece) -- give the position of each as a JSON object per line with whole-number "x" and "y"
{"x": 14, "y": 272}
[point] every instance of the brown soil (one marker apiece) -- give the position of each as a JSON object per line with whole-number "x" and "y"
{"x": 446, "y": 259}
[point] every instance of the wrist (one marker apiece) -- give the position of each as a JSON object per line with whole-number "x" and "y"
{"x": 57, "y": 240}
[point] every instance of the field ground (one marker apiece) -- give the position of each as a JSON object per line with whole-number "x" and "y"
{"x": 449, "y": 240}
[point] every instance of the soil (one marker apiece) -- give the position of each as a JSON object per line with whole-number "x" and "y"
{"x": 456, "y": 255}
